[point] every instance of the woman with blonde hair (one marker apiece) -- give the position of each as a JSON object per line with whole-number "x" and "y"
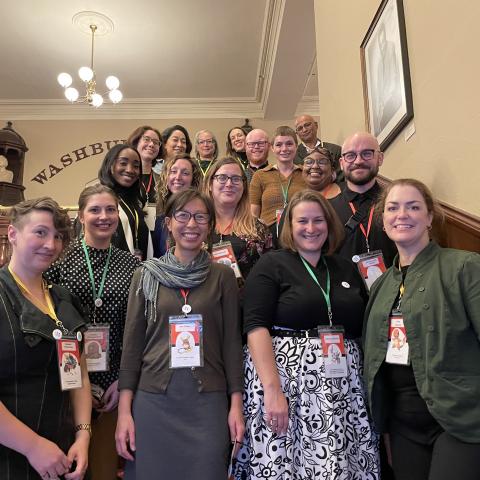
{"x": 178, "y": 174}
{"x": 239, "y": 238}
{"x": 206, "y": 150}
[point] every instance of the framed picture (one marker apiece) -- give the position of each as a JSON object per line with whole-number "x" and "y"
{"x": 387, "y": 87}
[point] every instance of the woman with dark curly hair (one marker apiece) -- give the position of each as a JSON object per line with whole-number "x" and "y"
{"x": 121, "y": 170}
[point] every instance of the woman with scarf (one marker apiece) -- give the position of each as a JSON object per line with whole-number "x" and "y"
{"x": 181, "y": 371}
{"x": 121, "y": 170}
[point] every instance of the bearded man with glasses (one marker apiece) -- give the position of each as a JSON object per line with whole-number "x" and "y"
{"x": 365, "y": 242}
{"x": 256, "y": 148}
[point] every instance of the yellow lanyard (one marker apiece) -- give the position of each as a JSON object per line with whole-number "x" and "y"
{"x": 134, "y": 215}
{"x": 47, "y": 307}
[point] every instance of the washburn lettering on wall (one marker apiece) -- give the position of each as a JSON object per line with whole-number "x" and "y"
{"x": 75, "y": 156}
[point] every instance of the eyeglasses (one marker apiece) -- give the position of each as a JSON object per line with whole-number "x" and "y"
{"x": 205, "y": 142}
{"x": 182, "y": 216}
{"x": 366, "y": 155}
{"x": 303, "y": 127}
{"x": 223, "y": 179}
{"x": 148, "y": 139}
{"x": 310, "y": 162}
{"x": 260, "y": 144}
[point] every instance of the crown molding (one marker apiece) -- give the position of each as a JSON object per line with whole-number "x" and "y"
{"x": 308, "y": 105}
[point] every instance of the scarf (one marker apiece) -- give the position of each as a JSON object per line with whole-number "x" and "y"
{"x": 169, "y": 272}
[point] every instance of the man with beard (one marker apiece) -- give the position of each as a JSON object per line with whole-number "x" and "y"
{"x": 256, "y": 148}
{"x": 364, "y": 238}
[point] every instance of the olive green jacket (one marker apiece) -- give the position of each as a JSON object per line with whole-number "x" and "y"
{"x": 441, "y": 309}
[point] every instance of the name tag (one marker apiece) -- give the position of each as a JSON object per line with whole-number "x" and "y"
{"x": 186, "y": 341}
{"x": 371, "y": 266}
{"x": 223, "y": 253}
{"x": 151, "y": 215}
{"x": 397, "y": 349}
{"x": 68, "y": 359}
{"x": 97, "y": 347}
{"x": 333, "y": 350}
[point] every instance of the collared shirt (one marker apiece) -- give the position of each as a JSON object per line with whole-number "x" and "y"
{"x": 266, "y": 190}
{"x": 354, "y": 242}
{"x": 251, "y": 169}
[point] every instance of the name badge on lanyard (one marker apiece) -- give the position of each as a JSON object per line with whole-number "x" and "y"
{"x": 97, "y": 347}
{"x": 186, "y": 341}
{"x": 333, "y": 350}
{"x": 68, "y": 360}
{"x": 371, "y": 266}
{"x": 397, "y": 349}
{"x": 223, "y": 253}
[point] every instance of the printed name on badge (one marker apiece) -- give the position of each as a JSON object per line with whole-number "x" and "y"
{"x": 333, "y": 350}
{"x": 97, "y": 347}
{"x": 223, "y": 253}
{"x": 186, "y": 341}
{"x": 68, "y": 358}
{"x": 397, "y": 349}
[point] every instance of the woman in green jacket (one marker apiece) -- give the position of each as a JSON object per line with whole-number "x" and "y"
{"x": 422, "y": 345}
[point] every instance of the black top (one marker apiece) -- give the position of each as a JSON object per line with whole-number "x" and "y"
{"x": 148, "y": 189}
{"x": 250, "y": 170}
{"x": 280, "y": 292}
{"x": 354, "y": 242}
{"x": 71, "y": 272}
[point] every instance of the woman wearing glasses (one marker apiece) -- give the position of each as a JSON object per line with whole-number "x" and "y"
{"x": 147, "y": 141}
{"x": 318, "y": 173}
{"x": 181, "y": 373}
{"x": 206, "y": 150}
{"x": 121, "y": 171}
{"x": 236, "y": 138}
{"x": 237, "y": 232}
{"x": 179, "y": 174}
{"x": 273, "y": 186}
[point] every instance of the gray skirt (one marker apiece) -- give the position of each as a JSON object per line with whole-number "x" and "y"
{"x": 180, "y": 434}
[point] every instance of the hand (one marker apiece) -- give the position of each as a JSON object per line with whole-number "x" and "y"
{"x": 96, "y": 404}
{"x": 110, "y": 398}
{"x": 236, "y": 423}
{"x": 276, "y": 411}
{"x": 47, "y": 459}
{"x": 125, "y": 436}
{"x": 79, "y": 452}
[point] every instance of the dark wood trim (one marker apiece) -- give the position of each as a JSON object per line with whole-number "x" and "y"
{"x": 459, "y": 230}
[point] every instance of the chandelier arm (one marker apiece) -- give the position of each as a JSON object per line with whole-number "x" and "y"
{"x": 93, "y": 28}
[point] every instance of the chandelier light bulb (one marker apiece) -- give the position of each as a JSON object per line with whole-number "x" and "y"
{"x": 65, "y": 80}
{"x": 97, "y": 100}
{"x": 115, "y": 96}
{"x": 85, "y": 73}
{"x": 71, "y": 94}
{"x": 112, "y": 82}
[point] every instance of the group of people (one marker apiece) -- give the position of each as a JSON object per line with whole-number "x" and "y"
{"x": 227, "y": 315}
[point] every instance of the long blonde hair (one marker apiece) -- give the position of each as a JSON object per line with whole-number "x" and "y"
{"x": 244, "y": 223}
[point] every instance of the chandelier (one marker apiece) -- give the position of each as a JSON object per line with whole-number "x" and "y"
{"x": 88, "y": 76}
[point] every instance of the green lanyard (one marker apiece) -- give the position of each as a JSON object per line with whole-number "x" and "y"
{"x": 326, "y": 294}
{"x": 285, "y": 188}
{"x": 97, "y": 295}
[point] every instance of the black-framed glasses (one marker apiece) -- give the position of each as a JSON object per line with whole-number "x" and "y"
{"x": 148, "y": 139}
{"x": 223, "y": 179}
{"x": 310, "y": 162}
{"x": 182, "y": 216}
{"x": 259, "y": 144}
{"x": 366, "y": 155}
{"x": 303, "y": 127}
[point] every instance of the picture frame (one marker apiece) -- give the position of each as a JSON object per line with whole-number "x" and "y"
{"x": 387, "y": 89}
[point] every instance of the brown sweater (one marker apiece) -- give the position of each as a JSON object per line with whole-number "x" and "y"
{"x": 145, "y": 357}
{"x": 266, "y": 190}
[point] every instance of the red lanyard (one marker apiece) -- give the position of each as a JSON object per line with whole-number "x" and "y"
{"x": 184, "y": 293}
{"x": 147, "y": 189}
{"x": 186, "y": 309}
{"x": 369, "y": 224}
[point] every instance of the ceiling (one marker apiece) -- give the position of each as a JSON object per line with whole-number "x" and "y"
{"x": 182, "y": 58}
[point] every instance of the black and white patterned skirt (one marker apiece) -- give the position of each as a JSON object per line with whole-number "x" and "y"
{"x": 330, "y": 435}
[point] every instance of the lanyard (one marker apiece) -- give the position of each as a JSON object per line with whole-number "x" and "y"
{"x": 134, "y": 215}
{"x": 227, "y": 228}
{"x": 48, "y": 305}
{"x": 97, "y": 296}
{"x": 326, "y": 294}
{"x": 366, "y": 233}
{"x": 285, "y": 189}
{"x": 147, "y": 189}
{"x": 201, "y": 169}
{"x": 186, "y": 309}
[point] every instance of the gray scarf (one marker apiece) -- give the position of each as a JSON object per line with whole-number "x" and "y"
{"x": 169, "y": 272}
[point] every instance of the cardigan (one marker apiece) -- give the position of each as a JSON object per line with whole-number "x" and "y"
{"x": 441, "y": 312}
{"x": 145, "y": 357}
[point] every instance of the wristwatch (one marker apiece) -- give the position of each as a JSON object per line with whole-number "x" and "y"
{"x": 84, "y": 426}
